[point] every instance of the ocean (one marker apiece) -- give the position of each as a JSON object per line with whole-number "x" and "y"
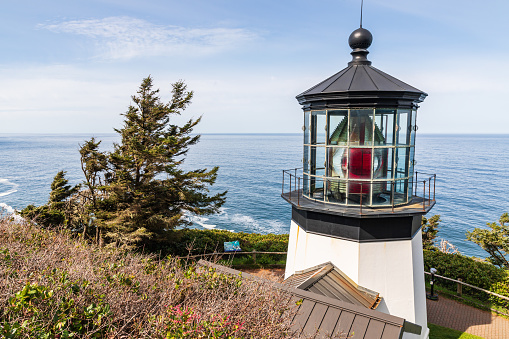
{"x": 472, "y": 183}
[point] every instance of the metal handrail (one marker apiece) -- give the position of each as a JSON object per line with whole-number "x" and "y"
{"x": 428, "y": 196}
{"x": 224, "y": 253}
{"x": 459, "y": 282}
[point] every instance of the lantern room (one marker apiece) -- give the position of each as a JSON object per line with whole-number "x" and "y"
{"x": 359, "y": 134}
{"x": 359, "y": 153}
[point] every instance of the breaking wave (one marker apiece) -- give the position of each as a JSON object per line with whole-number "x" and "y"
{"x": 13, "y": 187}
{"x": 199, "y": 220}
{"x": 8, "y": 211}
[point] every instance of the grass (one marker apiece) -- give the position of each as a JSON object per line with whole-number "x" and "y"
{"x": 439, "y": 332}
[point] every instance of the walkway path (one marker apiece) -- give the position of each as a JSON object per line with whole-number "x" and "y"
{"x": 455, "y": 315}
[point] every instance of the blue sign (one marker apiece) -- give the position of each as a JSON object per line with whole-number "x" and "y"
{"x": 232, "y": 246}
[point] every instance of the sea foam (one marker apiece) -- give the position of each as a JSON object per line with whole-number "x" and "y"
{"x": 14, "y": 187}
{"x": 8, "y": 211}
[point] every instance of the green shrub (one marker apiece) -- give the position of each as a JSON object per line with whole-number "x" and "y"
{"x": 473, "y": 272}
{"x": 67, "y": 318}
{"x": 194, "y": 241}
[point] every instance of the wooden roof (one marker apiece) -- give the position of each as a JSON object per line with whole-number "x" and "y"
{"x": 329, "y": 316}
{"x": 330, "y": 281}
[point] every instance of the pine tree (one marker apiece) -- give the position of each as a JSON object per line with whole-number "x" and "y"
{"x": 429, "y": 231}
{"x": 145, "y": 192}
{"x": 494, "y": 241}
{"x": 58, "y": 209}
{"x": 93, "y": 164}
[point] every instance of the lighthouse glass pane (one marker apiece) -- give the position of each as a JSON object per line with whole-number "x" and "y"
{"x": 411, "y": 162}
{"x": 318, "y": 125}
{"x": 400, "y": 191}
{"x": 307, "y": 133}
{"x": 381, "y": 193}
{"x": 413, "y": 127}
{"x": 383, "y": 163}
{"x": 359, "y": 192}
{"x": 316, "y": 188}
{"x": 337, "y": 161}
{"x": 336, "y": 190}
{"x": 338, "y": 127}
{"x": 361, "y": 127}
{"x": 402, "y": 162}
{"x": 403, "y": 132}
{"x": 305, "y": 160}
{"x": 317, "y": 161}
{"x": 384, "y": 126}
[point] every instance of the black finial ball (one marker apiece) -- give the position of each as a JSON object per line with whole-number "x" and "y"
{"x": 360, "y": 38}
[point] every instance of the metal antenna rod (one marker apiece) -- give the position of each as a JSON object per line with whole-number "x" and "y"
{"x": 362, "y": 3}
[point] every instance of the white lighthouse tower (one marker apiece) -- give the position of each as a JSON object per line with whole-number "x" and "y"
{"x": 357, "y": 202}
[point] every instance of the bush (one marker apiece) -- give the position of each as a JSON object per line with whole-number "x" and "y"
{"x": 55, "y": 286}
{"x": 186, "y": 323}
{"x": 194, "y": 241}
{"x": 473, "y": 272}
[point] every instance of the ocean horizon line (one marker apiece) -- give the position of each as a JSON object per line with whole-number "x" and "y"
{"x": 220, "y": 133}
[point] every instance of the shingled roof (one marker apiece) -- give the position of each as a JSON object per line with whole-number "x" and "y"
{"x": 324, "y": 315}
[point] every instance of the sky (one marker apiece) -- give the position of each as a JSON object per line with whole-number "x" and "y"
{"x": 71, "y": 66}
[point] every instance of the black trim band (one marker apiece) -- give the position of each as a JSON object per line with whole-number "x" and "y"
{"x": 357, "y": 229}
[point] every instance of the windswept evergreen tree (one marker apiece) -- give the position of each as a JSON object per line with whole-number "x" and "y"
{"x": 58, "y": 210}
{"x": 93, "y": 164}
{"x": 495, "y": 241}
{"x": 144, "y": 192}
{"x": 139, "y": 191}
{"x": 429, "y": 231}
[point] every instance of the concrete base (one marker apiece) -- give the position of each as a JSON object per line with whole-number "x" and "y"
{"x": 395, "y": 269}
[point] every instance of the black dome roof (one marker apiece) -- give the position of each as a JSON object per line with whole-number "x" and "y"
{"x": 360, "y": 84}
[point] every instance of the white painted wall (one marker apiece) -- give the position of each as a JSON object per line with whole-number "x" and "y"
{"x": 395, "y": 269}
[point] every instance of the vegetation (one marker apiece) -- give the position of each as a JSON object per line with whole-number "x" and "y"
{"x": 56, "y": 211}
{"x": 494, "y": 241}
{"x": 440, "y": 332}
{"x": 196, "y": 241}
{"x": 57, "y": 286}
{"x": 477, "y": 273}
{"x": 470, "y": 270}
{"x": 185, "y": 242}
{"x": 450, "y": 263}
{"x": 138, "y": 192}
{"x": 429, "y": 231}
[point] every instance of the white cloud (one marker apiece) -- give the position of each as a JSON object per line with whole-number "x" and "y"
{"x": 76, "y": 99}
{"x": 126, "y": 37}
{"x": 62, "y": 99}
{"x": 70, "y": 99}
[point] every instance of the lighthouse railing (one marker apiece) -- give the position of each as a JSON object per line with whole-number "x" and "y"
{"x": 364, "y": 195}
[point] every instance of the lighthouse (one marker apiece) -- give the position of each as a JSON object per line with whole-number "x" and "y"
{"x": 357, "y": 201}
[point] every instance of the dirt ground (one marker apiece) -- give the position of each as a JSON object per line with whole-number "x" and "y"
{"x": 275, "y": 274}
